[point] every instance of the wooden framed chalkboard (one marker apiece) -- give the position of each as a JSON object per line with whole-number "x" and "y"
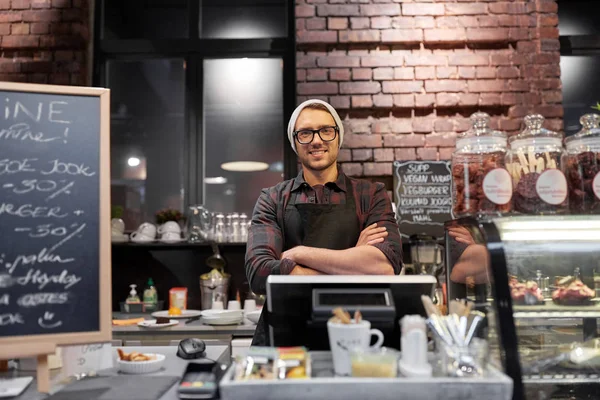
{"x": 423, "y": 196}
{"x": 55, "y": 262}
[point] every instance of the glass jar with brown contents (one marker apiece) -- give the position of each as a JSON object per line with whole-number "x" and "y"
{"x": 481, "y": 185}
{"x": 583, "y": 166}
{"x": 535, "y": 162}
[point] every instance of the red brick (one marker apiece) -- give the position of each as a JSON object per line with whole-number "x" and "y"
{"x": 447, "y": 22}
{"x": 338, "y": 61}
{"x": 340, "y": 102}
{"x": 360, "y": 87}
{"x": 500, "y": 59}
{"x": 422, "y": 124}
{"x": 401, "y": 35}
{"x": 4, "y": 29}
{"x": 445, "y": 85}
{"x": 402, "y": 86}
{"x": 359, "y": 23}
{"x": 550, "y": 111}
{"x": 485, "y": 72}
{"x": 356, "y": 141}
{"x": 445, "y": 35}
{"x": 547, "y": 32}
{"x": 508, "y": 72}
{"x": 9, "y": 66}
{"x": 4, "y": 4}
{"x": 363, "y": 101}
{"x": 40, "y": 4}
{"x": 554, "y": 96}
{"x": 360, "y": 36}
{"x": 508, "y": 20}
{"x": 488, "y": 21}
{"x": 316, "y": 36}
{"x": 61, "y": 28}
{"x": 468, "y": 59}
{"x": 446, "y": 72}
{"x": 526, "y": 47}
{"x": 344, "y": 155}
{"x": 317, "y": 88}
{"x": 406, "y": 22}
{"x": 425, "y": 73}
{"x": 381, "y": 125}
{"x": 381, "y": 61}
{"x": 515, "y": 34}
{"x": 547, "y": 6}
{"x": 422, "y": 9}
{"x": 503, "y": 7}
{"x": 422, "y": 22}
{"x": 518, "y": 86}
{"x": 383, "y": 73}
{"x": 362, "y": 155}
{"x": 404, "y": 100}
{"x": 554, "y": 124}
{"x": 440, "y": 140}
{"x": 339, "y": 74}
{"x": 427, "y": 153}
{"x": 378, "y": 169}
{"x": 62, "y": 3}
{"x": 21, "y": 41}
{"x": 489, "y": 99}
{"x": 383, "y": 154}
{"x": 405, "y": 154}
{"x": 518, "y": 111}
{"x": 41, "y": 15}
{"x": 352, "y": 169}
{"x": 380, "y": 9}
{"x": 549, "y": 45}
{"x": 429, "y": 59}
{"x": 548, "y": 20}
{"x": 338, "y": 11}
{"x": 445, "y": 153}
{"x": 19, "y": 29}
{"x": 545, "y": 58}
{"x": 302, "y": 61}
{"x": 21, "y": 4}
{"x": 443, "y": 125}
{"x": 403, "y": 125}
{"x": 300, "y": 75}
{"x": 360, "y": 126}
{"x": 424, "y": 100}
{"x": 466, "y": 9}
{"x": 402, "y": 73}
{"x": 403, "y": 140}
{"x": 381, "y": 22}
{"x": 303, "y": 11}
{"x": 337, "y": 23}
{"x": 446, "y": 99}
{"x": 316, "y": 74}
{"x": 383, "y": 100}
{"x": 466, "y": 72}
{"x": 510, "y": 99}
{"x": 532, "y": 98}
{"x": 487, "y": 34}
{"x": 11, "y": 16}
{"x": 468, "y": 99}
{"x": 63, "y": 41}
{"x": 315, "y": 24}
{"x": 486, "y": 86}
{"x": 509, "y": 124}
{"x": 362, "y": 74}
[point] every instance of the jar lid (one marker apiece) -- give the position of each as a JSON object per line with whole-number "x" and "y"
{"x": 533, "y": 132}
{"x": 590, "y": 129}
{"x": 480, "y": 134}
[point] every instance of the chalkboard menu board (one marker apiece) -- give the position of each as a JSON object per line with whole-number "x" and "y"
{"x": 423, "y": 196}
{"x": 54, "y": 214}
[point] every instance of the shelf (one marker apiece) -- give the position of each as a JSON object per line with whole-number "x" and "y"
{"x": 561, "y": 379}
{"x": 551, "y": 310}
{"x": 171, "y": 246}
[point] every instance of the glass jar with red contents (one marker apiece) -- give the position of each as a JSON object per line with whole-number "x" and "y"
{"x": 535, "y": 161}
{"x": 481, "y": 185}
{"x": 583, "y": 166}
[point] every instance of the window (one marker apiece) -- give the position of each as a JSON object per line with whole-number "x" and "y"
{"x": 194, "y": 85}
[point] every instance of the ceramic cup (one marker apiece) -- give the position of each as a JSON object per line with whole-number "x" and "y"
{"x": 217, "y": 305}
{"x": 117, "y": 226}
{"x": 234, "y": 305}
{"x": 138, "y": 237}
{"x": 345, "y": 337}
{"x": 249, "y": 305}
{"x": 146, "y": 229}
{"x": 170, "y": 237}
{"x": 169, "y": 226}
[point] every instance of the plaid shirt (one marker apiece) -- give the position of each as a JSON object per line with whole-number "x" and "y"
{"x": 265, "y": 239}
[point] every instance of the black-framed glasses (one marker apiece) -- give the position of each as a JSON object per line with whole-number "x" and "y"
{"x": 326, "y": 133}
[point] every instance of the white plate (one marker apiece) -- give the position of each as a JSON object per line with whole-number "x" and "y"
{"x": 151, "y": 324}
{"x": 141, "y": 367}
{"x": 119, "y": 238}
{"x": 221, "y": 313}
{"x": 185, "y": 314}
{"x": 171, "y": 240}
{"x": 223, "y": 321}
{"x": 253, "y": 316}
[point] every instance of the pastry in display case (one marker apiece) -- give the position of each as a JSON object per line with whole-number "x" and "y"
{"x": 534, "y": 278}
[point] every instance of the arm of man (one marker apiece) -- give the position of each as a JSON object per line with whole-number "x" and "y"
{"x": 264, "y": 245}
{"x": 383, "y": 258}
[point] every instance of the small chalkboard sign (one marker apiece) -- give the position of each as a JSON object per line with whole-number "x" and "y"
{"x": 423, "y": 196}
{"x": 54, "y": 218}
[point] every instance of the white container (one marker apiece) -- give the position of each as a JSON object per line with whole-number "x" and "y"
{"x": 141, "y": 367}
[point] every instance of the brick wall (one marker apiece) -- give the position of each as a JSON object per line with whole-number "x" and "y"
{"x": 44, "y": 41}
{"x": 406, "y": 74}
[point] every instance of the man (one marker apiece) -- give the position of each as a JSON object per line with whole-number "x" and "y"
{"x": 321, "y": 222}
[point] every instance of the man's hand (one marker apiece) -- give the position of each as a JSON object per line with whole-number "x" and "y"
{"x": 371, "y": 235}
{"x": 461, "y": 235}
{"x": 300, "y": 270}
{"x": 293, "y": 253}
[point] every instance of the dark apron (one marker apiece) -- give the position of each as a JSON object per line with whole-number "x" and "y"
{"x": 326, "y": 226}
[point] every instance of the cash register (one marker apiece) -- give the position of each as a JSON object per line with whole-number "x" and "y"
{"x": 298, "y": 307}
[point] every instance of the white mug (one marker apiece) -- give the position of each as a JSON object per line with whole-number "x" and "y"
{"x": 147, "y": 229}
{"x": 249, "y": 305}
{"x": 169, "y": 226}
{"x": 117, "y": 226}
{"x": 170, "y": 237}
{"x": 234, "y": 305}
{"x": 217, "y": 305}
{"x": 344, "y": 337}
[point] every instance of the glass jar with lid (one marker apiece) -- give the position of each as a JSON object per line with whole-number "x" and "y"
{"x": 481, "y": 185}
{"x": 535, "y": 162}
{"x": 583, "y": 166}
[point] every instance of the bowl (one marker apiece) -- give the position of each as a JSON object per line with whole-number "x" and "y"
{"x": 141, "y": 367}
{"x": 253, "y": 316}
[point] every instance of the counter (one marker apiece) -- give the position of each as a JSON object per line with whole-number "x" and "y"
{"x": 174, "y": 366}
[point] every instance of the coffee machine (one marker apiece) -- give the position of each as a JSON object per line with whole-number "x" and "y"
{"x": 426, "y": 254}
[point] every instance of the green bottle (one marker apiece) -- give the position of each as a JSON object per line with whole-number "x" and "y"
{"x": 150, "y": 296}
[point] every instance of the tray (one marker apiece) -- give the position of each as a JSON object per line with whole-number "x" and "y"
{"x": 323, "y": 385}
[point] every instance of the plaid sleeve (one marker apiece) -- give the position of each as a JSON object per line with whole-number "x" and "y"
{"x": 381, "y": 212}
{"x": 265, "y": 243}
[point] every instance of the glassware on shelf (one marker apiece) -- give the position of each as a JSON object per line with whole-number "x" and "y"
{"x": 199, "y": 224}
{"x": 243, "y": 228}
{"x": 220, "y": 234}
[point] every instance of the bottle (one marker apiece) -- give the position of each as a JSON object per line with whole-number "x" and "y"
{"x": 150, "y": 296}
{"x": 133, "y": 296}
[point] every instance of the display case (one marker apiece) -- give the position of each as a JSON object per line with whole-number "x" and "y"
{"x": 537, "y": 278}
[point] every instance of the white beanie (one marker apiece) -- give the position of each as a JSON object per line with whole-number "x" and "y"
{"x": 296, "y": 113}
